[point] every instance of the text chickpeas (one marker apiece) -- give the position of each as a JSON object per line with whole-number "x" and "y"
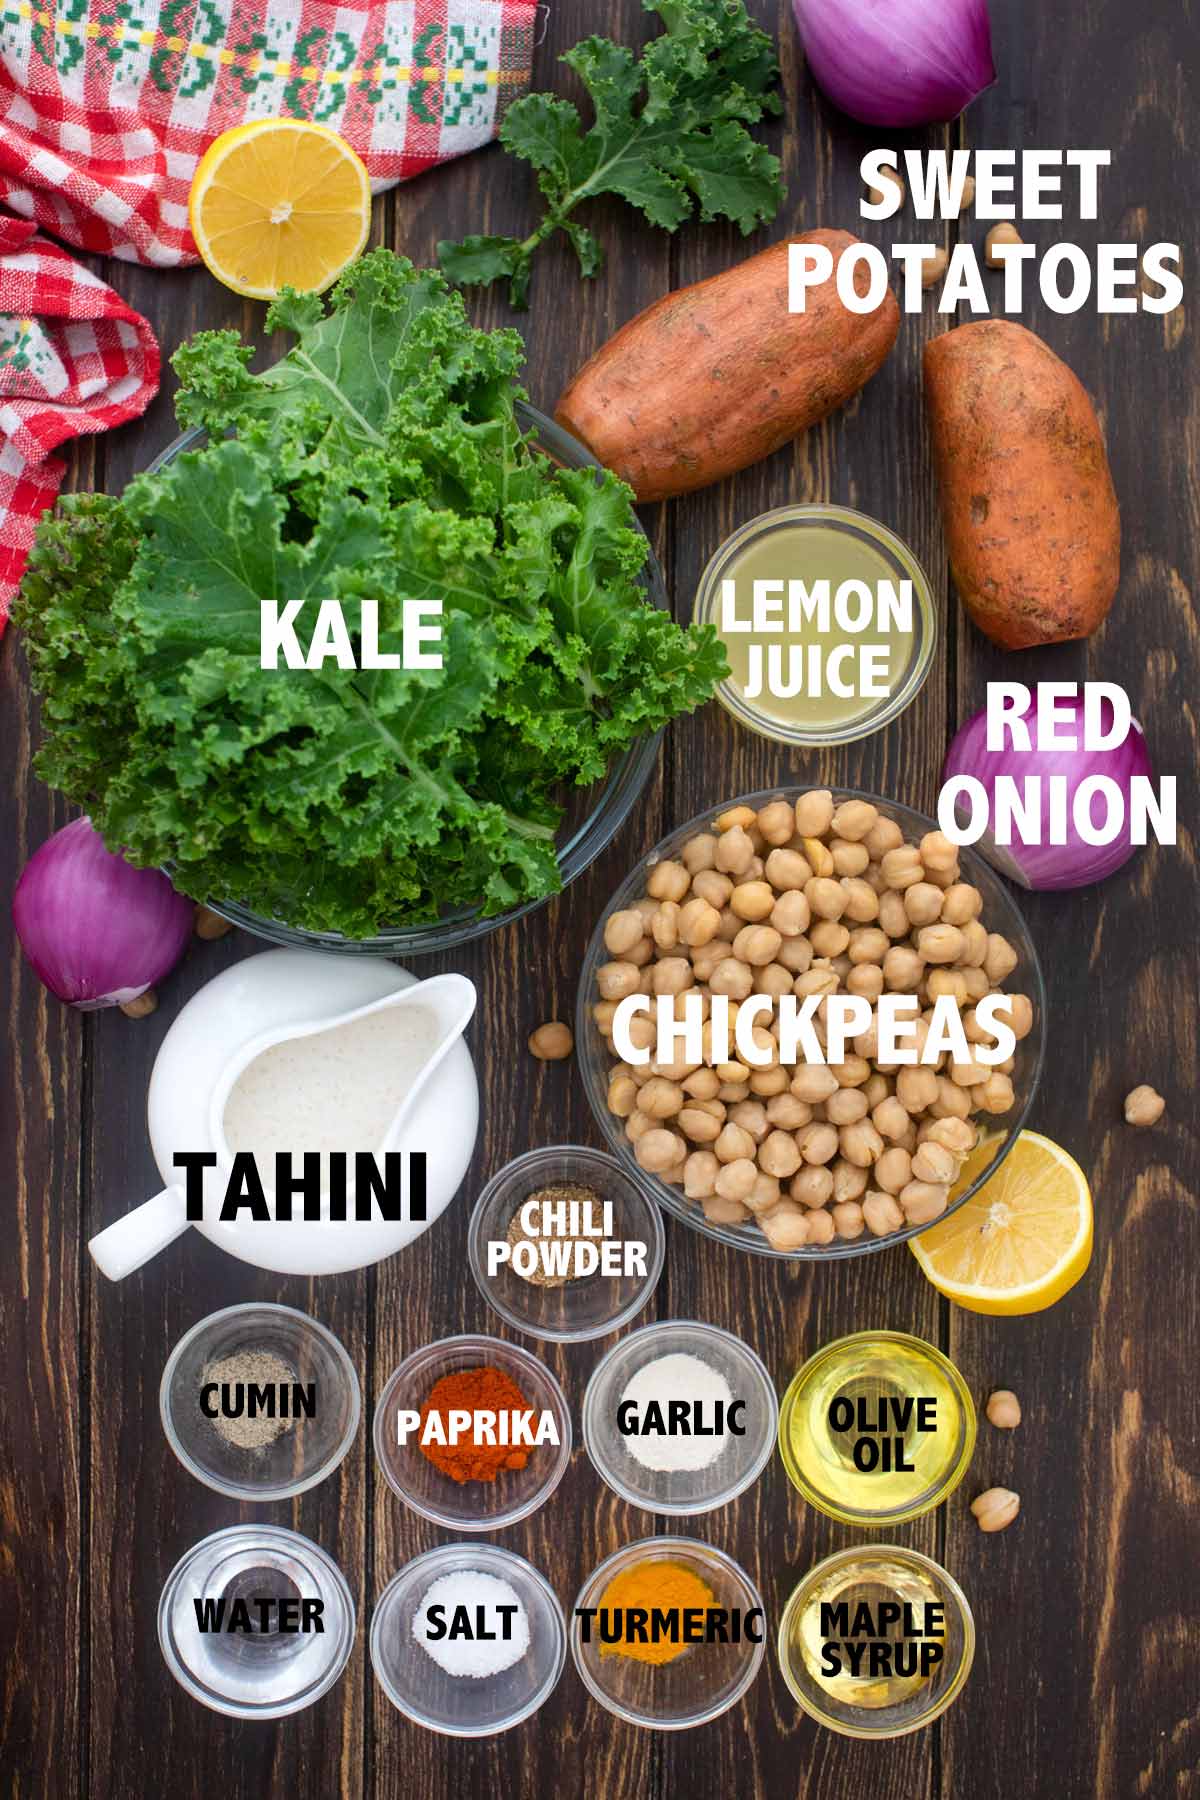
{"x": 811, "y": 898}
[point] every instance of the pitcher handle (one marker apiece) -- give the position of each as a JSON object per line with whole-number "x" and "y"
{"x": 124, "y": 1246}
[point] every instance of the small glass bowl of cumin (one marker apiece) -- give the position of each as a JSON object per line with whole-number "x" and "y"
{"x": 568, "y": 1310}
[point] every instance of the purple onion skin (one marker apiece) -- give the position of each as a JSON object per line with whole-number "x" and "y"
{"x": 96, "y": 930}
{"x": 898, "y": 62}
{"x": 1052, "y": 867}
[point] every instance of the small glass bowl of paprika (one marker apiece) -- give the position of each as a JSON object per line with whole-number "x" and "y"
{"x": 473, "y": 1433}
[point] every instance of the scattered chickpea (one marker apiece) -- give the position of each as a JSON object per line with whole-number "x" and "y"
{"x": 1004, "y": 233}
{"x": 968, "y": 193}
{"x": 934, "y": 267}
{"x": 209, "y": 925}
{"x": 552, "y": 1041}
{"x": 996, "y": 1509}
{"x": 142, "y": 1005}
{"x": 1143, "y": 1106}
{"x": 1004, "y": 1410}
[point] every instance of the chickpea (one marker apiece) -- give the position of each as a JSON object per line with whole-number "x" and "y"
{"x": 796, "y": 953}
{"x": 952, "y": 1101}
{"x": 902, "y": 969}
{"x": 703, "y": 1084}
{"x": 943, "y": 878}
{"x": 668, "y": 881}
{"x": 699, "y": 853}
{"x": 1018, "y": 1013}
{"x": 854, "y": 818}
{"x": 934, "y": 1163}
{"x": 893, "y": 1171}
{"x": 716, "y": 1109}
{"x": 940, "y": 943}
{"x": 813, "y": 1083}
{"x": 826, "y": 897}
{"x": 698, "y": 1125}
{"x": 861, "y": 1143}
{"x": 697, "y": 922}
{"x": 916, "y": 1088}
{"x": 821, "y": 1228}
{"x": 818, "y": 1142}
{"x": 814, "y": 812}
{"x": 923, "y": 1201}
{"x": 641, "y": 953}
{"x": 923, "y": 903}
{"x": 995, "y": 1095}
{"x": 778, "y": 1154}
{"x": 622, "y": 1096}
{"x": 877, "y": 1088}
{"x": 709, "y": 957}
{"x": 849, "y": 1181}
{"x": 734, "y": 852}
{"x": 673, "y": 975}
{"x": 785, "y": 1111}
{"x": 752, "y": 900}
{"x": 751, "y": 1116}
{"x": 849, "y": 860}
{"x": 737, "y": 1179}
{"x": 642, "y": 1032}
{"x": 947, "y": 981}
{"x": 883, "y": 836}
{"x": 868, "y": 944}
{"x": 848, "y": 1219}
{"x": 552, "y": 1041}
{"x": 996, "y": 1509}
{"x": 719, "y": 1211}
{"x": 636, "y": 1127}
{"x": 862, "y": 902}
{"x": 820, "y": 979}
{"x": 961, "y": 903}
{"x": 846, "y": 1106}
{"x": 1001, "y": 959}
{"x": 1004, "y": 1410}
{"x": 757, "y": 945}
{"x": 733, "y": 978}
{"x": 787, "y": 871}
{"x": 714, "y": 887}
{"x": 731, "y": 1091}
{"x": 730, "y": 923}
{"x": 881, "y": 1214}
{"x": 829, "y": 939}
{"x": 969, "y": 1074}
{"x": 974, "y": 950}
{"x": 765, "y": 1194}
{"x": 657, "y": 1150}
{"x": 622, "y": 930}
{"x": 768, "y": 1082}
{"x": 890, "y": 1118}
{"x": 1144, "y": 1106}
{"x": 743, "y": 816}
{"x": 853, "y": 1072}
{"x": 700, "y": 1174}
{"x": 811, "y": 1185}
{"x": 664, "y": 926}
{"x": 660, "y": 1099}
{"x": 865, "y": 980}
{"x": 785, "y": 1228}
{"x": 937, "y": 852}
{"x": 617, "y": 979}
{"x": 777, "y": 822}
{"x": 892, "y": 917}
{"x": 733, "y": 1144}
{"x": 901, "y": 868}
{"x": 820, "y": 856}
{"x": 956, "y": 1134}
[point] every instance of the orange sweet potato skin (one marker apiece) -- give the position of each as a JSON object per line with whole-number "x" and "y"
{"x": 714, "y": 377}
{"x": 1032, "y": 523}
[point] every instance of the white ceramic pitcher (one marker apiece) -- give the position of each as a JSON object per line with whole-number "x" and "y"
{"x": 247, "y": 1009}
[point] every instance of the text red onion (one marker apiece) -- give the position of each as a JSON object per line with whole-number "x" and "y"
{"x": 1074, "y": 864}
{"x": 898, "y": 62}
{"x": 98, "y": 931}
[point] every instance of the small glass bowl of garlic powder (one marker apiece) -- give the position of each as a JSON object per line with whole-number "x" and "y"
{"x": 680, "y": 1417}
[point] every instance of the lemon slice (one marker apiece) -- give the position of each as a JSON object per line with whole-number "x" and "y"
{"x": 1019, "y": 1243}
{"x": 279, "y": 203}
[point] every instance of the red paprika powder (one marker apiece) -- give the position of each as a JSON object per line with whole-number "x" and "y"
{"x": 473, "y": 1390}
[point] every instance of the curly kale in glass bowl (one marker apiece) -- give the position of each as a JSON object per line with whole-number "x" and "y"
{"x": 389, "y": 456}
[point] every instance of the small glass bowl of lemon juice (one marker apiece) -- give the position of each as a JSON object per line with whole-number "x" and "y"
{"x": 828, "y": 622}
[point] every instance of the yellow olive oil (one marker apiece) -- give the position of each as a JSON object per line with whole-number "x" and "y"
{"x": 877, "y": 1428}
{"x": 872, "y": 1633}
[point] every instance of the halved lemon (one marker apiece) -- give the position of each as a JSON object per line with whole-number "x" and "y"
{"x": 279, "y": 203}
{"x": 1019, "y": 1243}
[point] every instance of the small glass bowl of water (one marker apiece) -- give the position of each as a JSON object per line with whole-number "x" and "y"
{"x": 210, "y": 1420}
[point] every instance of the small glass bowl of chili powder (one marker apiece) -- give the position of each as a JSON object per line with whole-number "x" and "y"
{"x": 473, "y": 1484}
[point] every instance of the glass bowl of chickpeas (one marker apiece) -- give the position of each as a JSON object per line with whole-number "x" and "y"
{"x": 811, "y": 892}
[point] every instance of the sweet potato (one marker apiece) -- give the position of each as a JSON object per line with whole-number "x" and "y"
{"x": 716, "y": 376}
{"x": 1032, "y": 523}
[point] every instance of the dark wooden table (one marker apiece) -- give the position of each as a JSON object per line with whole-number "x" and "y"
{"x": 1085, "y": 1678}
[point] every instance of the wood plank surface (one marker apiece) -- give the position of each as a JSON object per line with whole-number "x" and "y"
{"x": 1084, "y": 1683}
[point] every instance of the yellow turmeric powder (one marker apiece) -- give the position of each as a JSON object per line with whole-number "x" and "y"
{"x": 651, "y": 1587}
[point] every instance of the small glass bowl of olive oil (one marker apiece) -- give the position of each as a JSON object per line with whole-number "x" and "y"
{"x": 876, "y": 1641}
{"x": 827, "y": 619}
{"x": 876, "y": 1428}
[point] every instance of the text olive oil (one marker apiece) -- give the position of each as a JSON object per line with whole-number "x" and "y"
{"x": 877, "y": 1428}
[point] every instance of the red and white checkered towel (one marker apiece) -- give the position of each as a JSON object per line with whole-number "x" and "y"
{"x": 106, "y": 106}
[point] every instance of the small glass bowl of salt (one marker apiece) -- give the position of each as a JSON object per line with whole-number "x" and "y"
{"x": 662, "y": 1421}
{"x": 468, "y": 1686}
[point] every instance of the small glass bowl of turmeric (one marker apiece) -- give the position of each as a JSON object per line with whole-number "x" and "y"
{"x": 644, "y": 1676}
{"x": 449, "y": 1435}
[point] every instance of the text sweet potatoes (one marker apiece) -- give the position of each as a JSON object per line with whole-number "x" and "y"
{"x": 716, "y": 376}
{"x": 1032, "y": 523}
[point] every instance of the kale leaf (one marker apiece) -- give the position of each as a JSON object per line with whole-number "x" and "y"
{"x": 669, "y": 134}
